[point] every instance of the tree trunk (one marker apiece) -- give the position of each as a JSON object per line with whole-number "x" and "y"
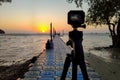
{"x": 111, "y": 27}
{"x": 118, "y": 35}
{"x": 115, "y": 36}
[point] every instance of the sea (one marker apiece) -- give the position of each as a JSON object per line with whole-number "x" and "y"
{"x": 17, "y": 48}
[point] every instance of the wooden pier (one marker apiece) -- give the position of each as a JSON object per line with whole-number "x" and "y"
{"x": 49, "y": 64}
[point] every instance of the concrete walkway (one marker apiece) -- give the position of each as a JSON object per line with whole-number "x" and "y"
{"x": 49, "y": 65}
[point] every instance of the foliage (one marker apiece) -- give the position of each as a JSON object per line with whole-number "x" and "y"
{"x": 77, "y": 2}
{"x": 2, "y": 1}
{"x": 101, "y": 11}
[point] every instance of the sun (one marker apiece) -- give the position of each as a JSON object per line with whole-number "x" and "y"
{"x": 43, "y": 28}
{"x": 43, "y": 31}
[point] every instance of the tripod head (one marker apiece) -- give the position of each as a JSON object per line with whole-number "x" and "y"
{"x": 76, "y": 18}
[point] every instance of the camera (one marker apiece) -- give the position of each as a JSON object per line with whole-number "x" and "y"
{"x": 76, "y": 18}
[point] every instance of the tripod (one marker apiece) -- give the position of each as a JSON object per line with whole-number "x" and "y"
{"x": 76, "y": 56}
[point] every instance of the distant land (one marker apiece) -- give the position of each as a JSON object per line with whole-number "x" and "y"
{"x": 2, "y": 32}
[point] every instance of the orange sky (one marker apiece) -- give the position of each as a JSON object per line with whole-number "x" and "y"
{"x": 28, "y": 16}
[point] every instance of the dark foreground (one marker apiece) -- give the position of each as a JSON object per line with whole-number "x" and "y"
{"x": 14, "y": 71}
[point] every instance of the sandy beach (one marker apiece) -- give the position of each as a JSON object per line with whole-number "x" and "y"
{"x": 107, "y": 70}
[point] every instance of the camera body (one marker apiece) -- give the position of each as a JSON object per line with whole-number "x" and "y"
{"x": 76, "y": 18}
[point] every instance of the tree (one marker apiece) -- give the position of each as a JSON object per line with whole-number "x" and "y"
{"x": 2, "y": 32}
{"x": 104, "y": 12}
{"x": 2, "y": 1}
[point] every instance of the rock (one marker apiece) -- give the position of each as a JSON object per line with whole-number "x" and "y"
{"x": 2, "y": 32}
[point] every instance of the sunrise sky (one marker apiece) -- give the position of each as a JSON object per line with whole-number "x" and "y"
{"x": 35, "y": 16}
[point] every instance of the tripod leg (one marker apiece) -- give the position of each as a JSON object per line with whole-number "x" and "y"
{"x": 66, "y": 66}
{"x": 83, "y": 68}
{"x": 74, "y": 70}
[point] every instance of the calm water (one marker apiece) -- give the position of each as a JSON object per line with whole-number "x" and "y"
{"x": 15, "y": 48}
{"x": 18, "y": 48}
{"x": 91, "y": 41}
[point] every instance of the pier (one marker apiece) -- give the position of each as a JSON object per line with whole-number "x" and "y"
{"x": 49, "y": 65}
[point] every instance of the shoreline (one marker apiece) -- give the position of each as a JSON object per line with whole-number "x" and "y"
{"x": 107, "y": 70}
{"x": 13, "y": 72}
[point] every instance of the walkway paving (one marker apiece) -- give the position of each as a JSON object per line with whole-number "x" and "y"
{"x": 49, "y": 65}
